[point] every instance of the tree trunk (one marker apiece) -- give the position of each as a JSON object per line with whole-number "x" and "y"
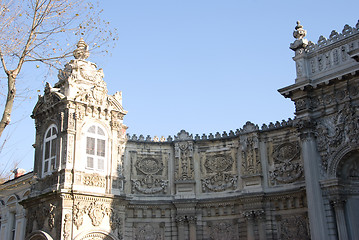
{"x": 11, "y": 78}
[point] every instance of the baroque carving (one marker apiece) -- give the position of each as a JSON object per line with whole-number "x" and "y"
{"x": 219, "y": 182}
{"x": 149, "y": 172}
{"x": 94, "y": 180}
{"x": 222, "y": 231}
{"x": 287, "y": 165}
{"x": 150, "y": 185}
{"x": 78, "y": 213}
{"x": 96, "y": 212}
{"x": 148, "y": 231}
{"x": 336, "y": 131}
{"x": 251, "y": 164}
{"x": 219, "y": 173}
{"x": 67, "y": 226}
{"x": 149, "y": 166}
{"x": 294, "y": 227}
{"x": 184, "y": 161}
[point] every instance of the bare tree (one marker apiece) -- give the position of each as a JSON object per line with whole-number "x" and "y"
{"x": 45, "y": 31}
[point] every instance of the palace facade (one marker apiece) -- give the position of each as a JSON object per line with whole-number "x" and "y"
{"x": 295, "y": 179}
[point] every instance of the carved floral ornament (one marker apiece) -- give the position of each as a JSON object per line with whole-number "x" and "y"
{"x": 336, "y": 133}
{"x": 288, "y": 167}
{"x": 96, "y": 211}
{"x": 148, "y": 231}
{"x": 222, "y": 231}
{"x": 150, "y": 182}
{"x": 222, "y": 179}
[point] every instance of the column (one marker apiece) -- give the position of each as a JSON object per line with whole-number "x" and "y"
{"x": 192, "y": 220}
{"x": 316, "y": 213}
{"x": 261, "y": 224}
{"x": 338, "y": 206}
{"x": 181, "y": 220}
{"x": 249, "y": 216}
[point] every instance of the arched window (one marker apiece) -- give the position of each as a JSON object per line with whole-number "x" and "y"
{"x": 95, "y": 148}
{"x": 49, "y": 155}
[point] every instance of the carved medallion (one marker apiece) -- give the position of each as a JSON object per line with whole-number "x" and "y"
{"x": 218, "y": 163}
{"x": 287, "y": 165}
{"x": 149, "y": 166}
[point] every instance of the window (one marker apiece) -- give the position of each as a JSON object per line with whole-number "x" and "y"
{"x": 49, "y": 155}
{"x": 95, "y": 148}
{"x": 13, "y": 225}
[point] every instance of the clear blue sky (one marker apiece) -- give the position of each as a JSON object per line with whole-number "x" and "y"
{"x": 202, "y": 66}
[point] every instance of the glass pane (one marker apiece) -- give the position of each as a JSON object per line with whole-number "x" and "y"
{"x": 101, "y": 147}
{"x": 100, "y": 131}
{"x": 48, "y": 133}
{"x": 52, "y": 164}
{"x": 47, "y": 150}
{"x": 54, "y": 131}
{"x": 92, "y": 129}
{"x": 90, "y": 146}
{"x": 53, "y": 147}
{"x": 101, "y": 164}
{"x": 89, "y": 162}
{"x": 46, "y": 167}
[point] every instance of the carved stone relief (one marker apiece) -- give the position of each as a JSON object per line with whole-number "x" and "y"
{"x": 150, "y": 174}
{"x": 287, "y": 167}
{"x": 223, "y": 230}
{"x": 184, "y": 161}
{"x": 251, "y": 164}
{"x": 335, "y": 132}
{"x": 219, "y": 171}
{"x": 96, "y": 211}
{"x": 94, "y": 180}
{"x": 149, "y": 231}
{"x": 294, "y": 227}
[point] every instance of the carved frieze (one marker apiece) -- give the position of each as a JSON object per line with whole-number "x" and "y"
{"x": 287, "y": 167}
{"x": 94, "y": 180}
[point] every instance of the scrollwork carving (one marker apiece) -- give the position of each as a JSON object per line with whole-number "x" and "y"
{"x": 294, "y": 227}
{"x": 336, "y": 131}
{"x": 150, "y": 185}
{"x": 94, "y": 180}
{"x": 287, "y": 165}
{"x": 148, "y": 231}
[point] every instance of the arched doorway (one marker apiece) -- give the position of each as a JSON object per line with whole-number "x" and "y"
{"x": 95, "y": 236}
{"x": 347, "y": 196}
{"x": 39, "y": 235}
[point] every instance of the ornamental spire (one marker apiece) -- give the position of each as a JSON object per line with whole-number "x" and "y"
{"x": 299, "y": 32}
{"x": 300, "y": 42}
{"x": 82, "y": 50}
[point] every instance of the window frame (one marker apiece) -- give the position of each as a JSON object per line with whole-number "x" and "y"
{"x": 98, "y": 148}
{"x": 49, "y": 150}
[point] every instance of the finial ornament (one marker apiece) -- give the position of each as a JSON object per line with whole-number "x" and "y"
{"x": 82, "y": 50}
{"x": 299, "y": 32}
